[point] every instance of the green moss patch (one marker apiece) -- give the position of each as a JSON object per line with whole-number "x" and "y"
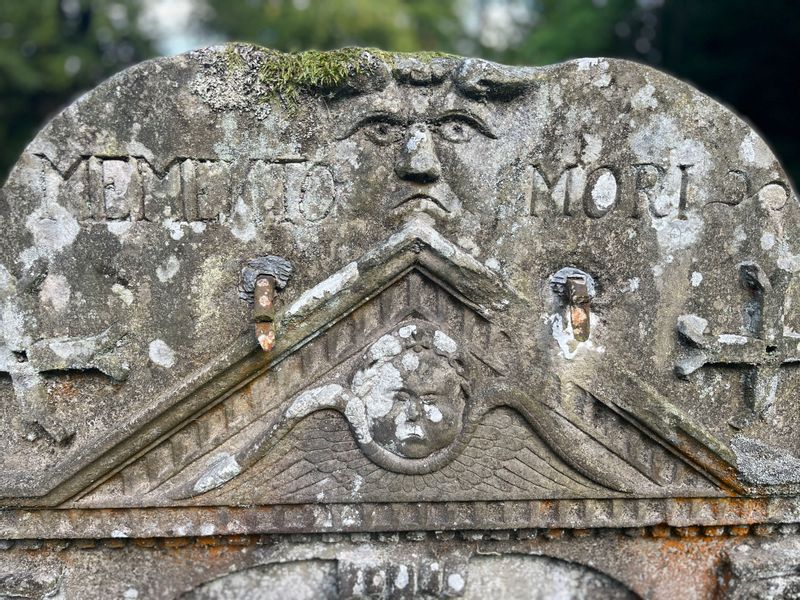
{"x": 314, "y": 72}
{"x": 311, "y": 72}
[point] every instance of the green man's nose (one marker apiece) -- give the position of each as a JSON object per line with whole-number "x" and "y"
{"x": 417, "y": 161}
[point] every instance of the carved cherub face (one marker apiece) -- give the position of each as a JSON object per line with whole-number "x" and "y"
{"x": 413, "y": 389}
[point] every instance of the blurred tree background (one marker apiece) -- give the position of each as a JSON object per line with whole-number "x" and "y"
{"x": 742, "y": 52}
{"x": 50, "y": 51}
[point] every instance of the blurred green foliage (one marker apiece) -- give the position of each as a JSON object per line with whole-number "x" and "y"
{"x": 745, "y": 53}
{"x": 50, "y": 51}
{"x": 399, "y": 25}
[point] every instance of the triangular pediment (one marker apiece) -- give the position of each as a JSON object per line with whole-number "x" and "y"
{"x": 574, "y": 440}
{"x": 415, "y": 247}
{"x": 284, "y": 437}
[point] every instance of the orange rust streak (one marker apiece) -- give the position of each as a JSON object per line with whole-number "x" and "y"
{"x": 266, "y": 336}
{"x": 579, "y": 316}
{"x": 681, "y": 555}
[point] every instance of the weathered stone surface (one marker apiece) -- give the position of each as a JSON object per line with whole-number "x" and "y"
{"x": 554, "y": 299}
{"x": 767, "y": 571}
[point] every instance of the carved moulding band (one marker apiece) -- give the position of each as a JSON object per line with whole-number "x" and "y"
{"x": 396, "y": 516}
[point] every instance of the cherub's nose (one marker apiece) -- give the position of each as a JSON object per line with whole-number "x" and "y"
{"x": 413, "y": 409}
{"x": 417, "y": 161}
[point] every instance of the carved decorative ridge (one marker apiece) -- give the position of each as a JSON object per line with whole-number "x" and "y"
{"x": 759, "y": 530}
{"x": 399, "y": 516}
{"x": 417, "y": 246}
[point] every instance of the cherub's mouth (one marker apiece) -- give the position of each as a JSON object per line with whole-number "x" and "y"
{"x": 422, "y": 199}
{"x": 410, "y": 432}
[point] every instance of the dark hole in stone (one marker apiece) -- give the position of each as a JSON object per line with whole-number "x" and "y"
{"x": 21, "y": 356}
{"x": 771, "y": 349}
{"x": 91, "y": 372}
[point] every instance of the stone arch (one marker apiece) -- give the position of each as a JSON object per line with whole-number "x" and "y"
{"x": 525, "y": 577}
{"x": 299, "y": 580}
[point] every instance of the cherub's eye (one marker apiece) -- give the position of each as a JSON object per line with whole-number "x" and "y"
{"x": 382, "y": 133}
{"x": 456, "y": 130}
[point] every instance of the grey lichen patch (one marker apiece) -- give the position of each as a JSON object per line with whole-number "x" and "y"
{"x": 221, "y": 468}
{"x": 246, "y": 77}
{"x": 161, "y": 354}
{"x": 325, "y": 289}
{"x": 762, "y": 464}
{"x": 230, "y": 79}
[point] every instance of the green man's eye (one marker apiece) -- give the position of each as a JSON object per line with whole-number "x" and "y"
{"x": 382, "y": 133}
{"x": 457, "y": 131}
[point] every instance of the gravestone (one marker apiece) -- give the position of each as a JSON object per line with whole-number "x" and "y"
{"x": 359, "y": 324}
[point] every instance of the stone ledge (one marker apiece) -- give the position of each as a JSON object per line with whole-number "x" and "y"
{"x": 759, "y": 530}
{"x": 687, "y": 514}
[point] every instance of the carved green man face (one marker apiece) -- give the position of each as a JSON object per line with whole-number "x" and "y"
{"x": 412, "y": 149}
{"x": 414, "y": 391}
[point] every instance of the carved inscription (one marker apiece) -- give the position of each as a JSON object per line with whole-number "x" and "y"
{"x": 633, "y": 190}
{"x": 103, "y": 352}
{"x": 763, "y": 351}
{"x": 129, "y": 188}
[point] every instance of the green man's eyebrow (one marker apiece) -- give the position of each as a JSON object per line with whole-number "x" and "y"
{"x": 393, "y": 119}
{"x": 375, "y": 117}
{"x": 466, "y": 117}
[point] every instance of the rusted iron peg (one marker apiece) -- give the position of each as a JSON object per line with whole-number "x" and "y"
{"x": 264, "y": 311}
{"x": 579, "y": 311}
{"x": 576, "y": 290}
{"x": 261, "y": 279}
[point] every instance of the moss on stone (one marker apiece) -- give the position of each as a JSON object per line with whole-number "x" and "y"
{"x": 234, "y": 60}
{"x": 425, "y": 55}
{"x": 289, "y": 75}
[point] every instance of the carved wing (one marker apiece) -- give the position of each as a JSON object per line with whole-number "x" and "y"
{"x": 319, "y": 460}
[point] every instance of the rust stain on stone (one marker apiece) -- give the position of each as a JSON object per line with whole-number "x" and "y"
{"x": 682, "y": 556}
{"x": 264, "y": 295}
{"x": 579, "y": 307}
{"x": 264, "y": 311}
{"x": 265, "y": 334}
